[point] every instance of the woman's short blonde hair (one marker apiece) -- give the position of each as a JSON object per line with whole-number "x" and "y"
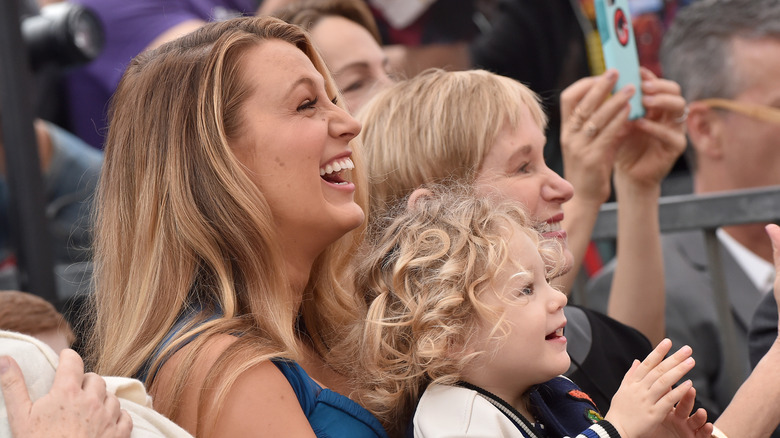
{"x": 423, "y": 278}
{"x": 435, "y": 127}
{"x": 182, "y": 228}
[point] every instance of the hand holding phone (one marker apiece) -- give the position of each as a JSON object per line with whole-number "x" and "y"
{"x": 619, "y": 47}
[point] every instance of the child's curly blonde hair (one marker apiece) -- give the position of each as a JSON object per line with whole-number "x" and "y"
{"x": 424, "y": 275}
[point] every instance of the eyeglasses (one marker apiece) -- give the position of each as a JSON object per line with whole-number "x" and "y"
{"x": 754, "y": 110}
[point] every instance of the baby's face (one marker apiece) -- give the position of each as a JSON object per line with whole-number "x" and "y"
{"x": 534, "y": 350}
{"x": 54, "y": 338}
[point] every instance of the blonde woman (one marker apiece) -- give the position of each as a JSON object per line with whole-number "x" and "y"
{"x": 230, "y": 200}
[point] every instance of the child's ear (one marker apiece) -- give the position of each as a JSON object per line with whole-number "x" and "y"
{"x": 417, "y": 194}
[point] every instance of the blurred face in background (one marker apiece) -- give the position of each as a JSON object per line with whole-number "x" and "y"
{"x": 751, "y": 146}
{"x": 357, "y": 62}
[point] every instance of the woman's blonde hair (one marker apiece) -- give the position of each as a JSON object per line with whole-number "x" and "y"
{"x": 182, "y": 229}
{"x": 423, "y": 278}
{"x": 435, "y": 127}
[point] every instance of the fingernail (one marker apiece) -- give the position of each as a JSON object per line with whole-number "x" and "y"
{"x": 611, "y": 74}
{"x": 629, "y": 89}
{"x": 689, "y": 361}
{"x": 647, "y": 85}
{"x": 4, "y": 364}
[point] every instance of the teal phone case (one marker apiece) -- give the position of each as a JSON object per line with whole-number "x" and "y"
{"x": 619, "y": 47}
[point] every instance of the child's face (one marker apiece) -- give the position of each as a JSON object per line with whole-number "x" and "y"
{"x": 514, "y": 169}
{"x": 534, "y": 350}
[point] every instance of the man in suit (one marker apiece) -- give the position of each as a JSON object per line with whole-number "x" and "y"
{"x": 725, "y": 55}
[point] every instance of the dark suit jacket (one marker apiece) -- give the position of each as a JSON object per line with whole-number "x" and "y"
{"x": 691, "y": 316}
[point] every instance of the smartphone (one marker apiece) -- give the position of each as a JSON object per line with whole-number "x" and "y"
{"x": 619, "y": 47}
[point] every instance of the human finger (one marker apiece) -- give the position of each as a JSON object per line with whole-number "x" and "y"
{"x": 646, "y": 74}
{"x": 609, "y": 113}
{"x": 614, "y": 128}
{"x": 697, "y": 420}
{"x": 685, "y": 405}
{"x": 17, "y": 399}
{"x": 95, "y": 385}
{"x": 592, "y": 100}
{"x": 660, "y": 86}
{"x": 70, "y": 371}
{"x": 653, "y": 359}
{"x": 574, "y": 93}
{"x": 668, "y": 373}
{"x": 673, "y": 396}
{"x": 665, "y": 104}
{"x": 706, "y": 430}
{"x": 124, "y": 425}
{"x": 112, "y": 407}
{"x": 669, "y": 138}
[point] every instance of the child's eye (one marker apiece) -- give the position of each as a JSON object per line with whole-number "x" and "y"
{"x": 308, "y": 104}
{"x": 525, "y": 290}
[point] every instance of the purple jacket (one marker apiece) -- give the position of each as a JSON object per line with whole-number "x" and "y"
{"x": 129, "y": 28}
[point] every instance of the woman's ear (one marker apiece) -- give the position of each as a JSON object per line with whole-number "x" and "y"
{"x": 705, "y": 130}
{"x": 417, "y": 194}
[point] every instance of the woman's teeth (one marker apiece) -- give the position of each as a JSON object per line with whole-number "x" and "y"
{"x": 337, "y": 166}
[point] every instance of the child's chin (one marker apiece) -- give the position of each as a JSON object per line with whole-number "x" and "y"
{"x": 564, "y": 366}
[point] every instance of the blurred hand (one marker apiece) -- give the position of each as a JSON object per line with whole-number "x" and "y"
{"x": 654, "y": 142}
{"x": 593, "y": 127}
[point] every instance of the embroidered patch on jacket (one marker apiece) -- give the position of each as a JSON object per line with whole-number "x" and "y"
{"x": 576, "y": 394}
{"x": 593, "y": 416}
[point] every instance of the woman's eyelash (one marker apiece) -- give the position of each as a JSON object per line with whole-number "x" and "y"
{"x": 308, "y": 104}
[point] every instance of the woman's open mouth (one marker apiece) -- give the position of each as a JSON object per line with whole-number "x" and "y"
{"x": 332, "y": 172}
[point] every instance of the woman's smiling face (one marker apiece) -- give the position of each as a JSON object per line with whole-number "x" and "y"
{"x": 514, "y": 168}
{"x": 294, "y": 144}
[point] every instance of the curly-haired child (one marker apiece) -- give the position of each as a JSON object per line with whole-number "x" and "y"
{"x": 465, "y": 333}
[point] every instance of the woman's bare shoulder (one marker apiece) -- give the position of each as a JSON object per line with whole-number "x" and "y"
{"x": 260, "y": 403}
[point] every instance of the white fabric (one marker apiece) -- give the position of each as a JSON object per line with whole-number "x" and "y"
{"x": 401, "y": 13}
{"x": 451, "y": 411}
{"x": 39, "y": 362}
{"x": 760, "y": 272}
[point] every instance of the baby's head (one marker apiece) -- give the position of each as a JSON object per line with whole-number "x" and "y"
{"x": 455, "y": 285}
{"x": 32, "y": 315}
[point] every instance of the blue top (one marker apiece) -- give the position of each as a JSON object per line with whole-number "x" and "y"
{"x": 330, "y": 414}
